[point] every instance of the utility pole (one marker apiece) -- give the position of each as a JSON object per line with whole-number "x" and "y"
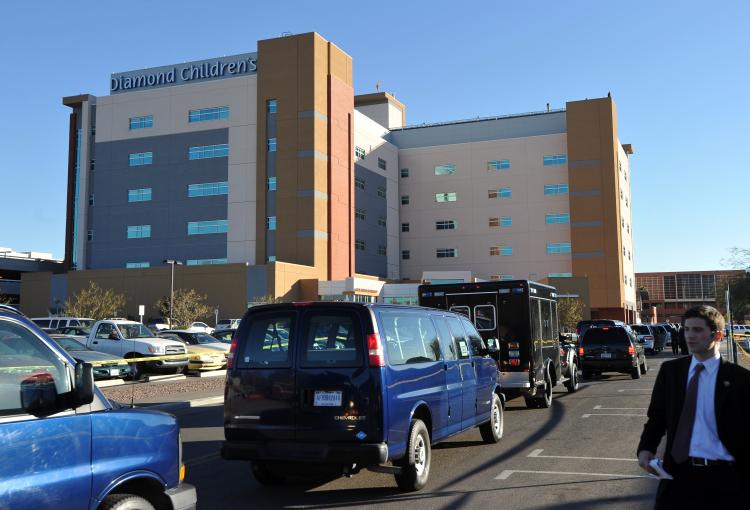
{"x": 171, "y": 287}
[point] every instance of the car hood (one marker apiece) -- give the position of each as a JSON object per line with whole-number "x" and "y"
{"x": 153, "y": 340}
{"x": 217, "y": 346}
{"x": 201, "y": 349}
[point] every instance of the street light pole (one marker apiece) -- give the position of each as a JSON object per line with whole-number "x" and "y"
{"x": 171, "y": 287}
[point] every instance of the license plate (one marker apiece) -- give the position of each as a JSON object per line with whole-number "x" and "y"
{"x": 327, "y": 399}
{"x": 605, "y": 355}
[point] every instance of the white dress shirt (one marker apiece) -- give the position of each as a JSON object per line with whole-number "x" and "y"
{"x": 705, "y": 442}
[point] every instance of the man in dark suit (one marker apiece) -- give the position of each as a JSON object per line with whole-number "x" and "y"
{"x": 702, "y": 403}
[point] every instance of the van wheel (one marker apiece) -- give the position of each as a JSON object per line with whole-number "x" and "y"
{"x": 572, "y": 383}
{"x": 415, "y": 466}
{"x": 125, "y": 502}
{"x": 263, "y": 473}
{"x": 545, "y": 400}
{"x": 636, "y": 372}
{"x": 492, "y": 431}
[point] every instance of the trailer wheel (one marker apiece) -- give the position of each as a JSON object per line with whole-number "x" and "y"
{"x": 545, "y": 400}
{"x": 572, "y": 383}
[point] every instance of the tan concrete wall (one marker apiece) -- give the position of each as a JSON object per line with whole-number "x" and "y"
{"x": 290, "y": 282}
{"x": 35, "y": 293}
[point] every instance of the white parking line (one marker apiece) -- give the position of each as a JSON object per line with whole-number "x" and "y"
{"x": 634, "y": 389}
{"x": 506, "y": 474}
{"x": 620, "y": 408}
{"x": 609, "y": 414}
{"x": 538, "y": 454}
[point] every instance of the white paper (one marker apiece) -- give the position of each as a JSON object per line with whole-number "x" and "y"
{"x": 657, "y": 465}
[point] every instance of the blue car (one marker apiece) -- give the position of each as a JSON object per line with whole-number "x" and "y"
{"x": 353, "y": 386}
{"x": 64, "y": 445}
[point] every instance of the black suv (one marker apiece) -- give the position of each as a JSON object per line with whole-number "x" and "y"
{"x": 582, "y": 326}
{"x": 611, "y": 349}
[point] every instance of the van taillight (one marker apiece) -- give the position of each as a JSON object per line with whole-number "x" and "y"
{"x": 375, "y": 350}
{"x": 232, "y": 349}
{"x": 514, "y": 362}
{"x": 631, "y": 351}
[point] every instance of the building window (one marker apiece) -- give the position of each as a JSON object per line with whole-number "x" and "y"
{"x": 446, "y": 253}
{"x": 208, "y": 189}
{"x": 271, "y": 106}
{"x": 498, "y": 164}
{"x": 404, "y": 227}
{"x": 556, "y": 159}
{"x": 405, "y": 254}
{"x": 381, "y": 250}
{"x": 146, "y": 121}
{"x": 553, "y": 219}
{"x": 404, "y": 173}
{"x": 622, "y": 221}
{"x": 445, "y": 169}
{"x": 404, "y": 199}
{"x": 271, "y": 223}
{"x": 209, "y": 151}
{"x": 91, "y": 199}
{"x": 560, "y": 275}
{"x": 555, "y": 189}
{"x": 619, "y": 165}
{"x": 626, "y": 201}
{"x": 90, "y": 236}
{"x": 445, "y": 225}
{"x": 205, "y": 262}
{"x": 381, "y": 221}
{"x": 504, "y": 250}
{"x": 141, "y": 158}
{"x": 506, "y": 221}
{"x": 558, "y": 248}
{"x": 139, "y": 195}
{"x": 359, "y": 152}
{"x": 92, "y": 164}
{"x": 359, "y": 214}
{"x": 272, "y": 184}
{"x": 271, "y": 145}
{"x": 500, "y": 193}
{"x": 139, "y": 231}
{"x": 621, "y": 195}
{"x": 381, "y": 191}
{"x": 359, "y": 244}
{"x": 359, "y": 182}
{"x": 205, "y": 114}
{"x": 207, "y": 227}
{"x": 271, "y": 258}
{"x": 494, "y": 222}
{"x": 494, "y": 251}
{"x": 137, "y": 265}
{"x": 382, "y": 164}
{"x": 445, "y": 197}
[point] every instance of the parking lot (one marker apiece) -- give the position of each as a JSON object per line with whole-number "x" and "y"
{"x": 578, "y": 454}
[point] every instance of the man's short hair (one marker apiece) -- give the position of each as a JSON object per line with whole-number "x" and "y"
{"x": 711, "y": 315}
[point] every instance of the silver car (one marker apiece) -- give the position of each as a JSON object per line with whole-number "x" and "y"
{"x": 645, "y": 336}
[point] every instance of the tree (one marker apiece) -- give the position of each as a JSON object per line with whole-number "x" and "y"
{"x": 569, "y": 312}
{"x": 739, "y": 296}
{"x": 188, "y": 307}
{"x": 266, "y": 300}
{"x": 95, "y": 303}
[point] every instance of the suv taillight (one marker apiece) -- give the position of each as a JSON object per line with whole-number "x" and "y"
{"x": 580, "y": 351}
{"x": 232, "y": 349}
{"x": 375, "y": 350}
{"x": 631, "y": 351}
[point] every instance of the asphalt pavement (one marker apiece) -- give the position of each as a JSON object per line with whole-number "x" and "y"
{"x": 579, "y": 454}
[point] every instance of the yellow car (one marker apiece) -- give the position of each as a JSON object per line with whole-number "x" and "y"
{"x": 203, "y": 353}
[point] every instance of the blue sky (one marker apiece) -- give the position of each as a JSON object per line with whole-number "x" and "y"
{"x": 678, "y": 72}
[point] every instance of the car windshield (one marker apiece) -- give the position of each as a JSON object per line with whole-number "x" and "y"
{"x": 70, "y": 344}
{"x": 135, "y": 331}
{"x": 641, "y": 330}
{"x": 205, "y": 339}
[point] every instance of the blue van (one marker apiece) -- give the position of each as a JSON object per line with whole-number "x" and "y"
{"x": 64, "y": 445}
{"x": 354, "y": 386}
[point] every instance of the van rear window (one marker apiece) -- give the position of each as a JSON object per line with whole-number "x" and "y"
{"x": 267, "y": 342}
{"x": 332, "y": 340}
{"x": 609, "y": 336}
{"x": 409, "y": 338}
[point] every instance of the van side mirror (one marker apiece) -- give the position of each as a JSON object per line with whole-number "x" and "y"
{"x": 39, "y": 395}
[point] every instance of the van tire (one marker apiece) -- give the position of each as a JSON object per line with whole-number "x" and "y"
{"x": 125, "y": 502}
{"x": 572, "y": 383}
{"x": 265, "y": 475}
{"x": 415, "y": 466}
{"x": 492, "y": 431}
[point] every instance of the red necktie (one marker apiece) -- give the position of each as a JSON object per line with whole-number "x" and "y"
{"x": 681, "y": 444}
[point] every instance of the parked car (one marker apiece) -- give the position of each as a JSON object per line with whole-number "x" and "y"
{"x": 115, "y": 367}
{"x": 582, "y": 326}
{"x": 158, "y": 326}
{"x": 227, "y": 324}
{"x": 611, "y": 349}
{"x": 129, "y": 339}
{"x": 645, "y": 336}
{"x": 205, "y": 352}
{"x": 224, "y": 335}
{"x": 66, "y": 446}
{"x": 354, "y": 386}
{"x": 52, "y": 322}
{"x": 201, "y": 326}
